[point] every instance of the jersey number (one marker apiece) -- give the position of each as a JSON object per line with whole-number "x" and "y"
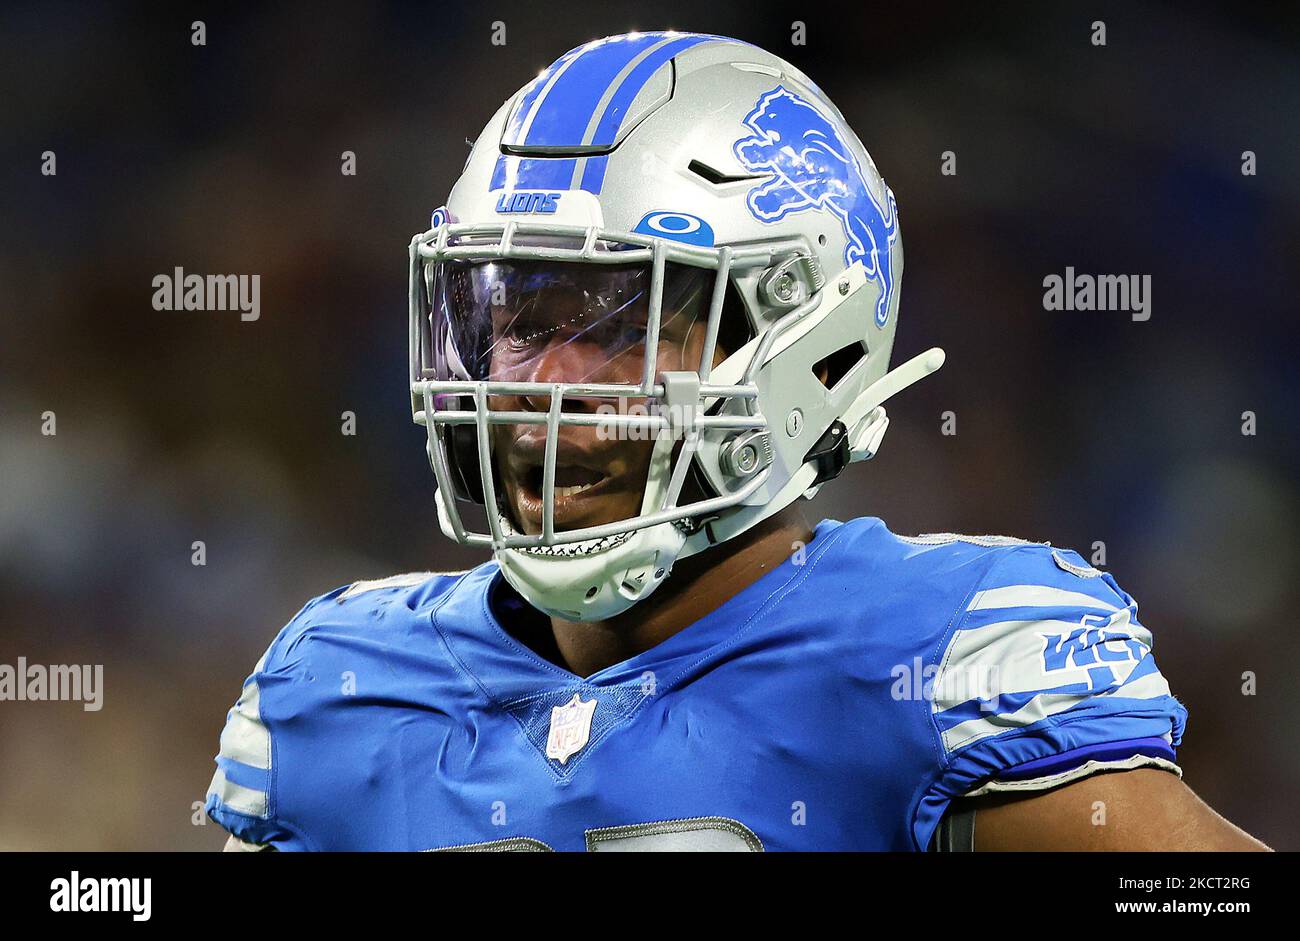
{"x": 695, "y": 834}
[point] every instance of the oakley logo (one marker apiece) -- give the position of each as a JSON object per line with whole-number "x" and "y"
{"x": 678, "y": 226}
{"x": 813, "y": 167}
{"x": 528, "y": 202}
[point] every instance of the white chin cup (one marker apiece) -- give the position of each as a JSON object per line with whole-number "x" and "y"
{"x": 598, "y": 579}
{"x": 594, "y": 586}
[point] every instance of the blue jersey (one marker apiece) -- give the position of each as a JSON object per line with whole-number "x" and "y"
{"x": 839, "y": 702}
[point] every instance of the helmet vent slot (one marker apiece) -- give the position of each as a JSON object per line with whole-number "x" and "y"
{"x": 717, "y": 177}
{"x": 831, "y": 370}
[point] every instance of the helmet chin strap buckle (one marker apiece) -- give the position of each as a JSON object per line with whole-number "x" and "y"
{"x": 830, "y": 454}
{"x": 865, "y": 438}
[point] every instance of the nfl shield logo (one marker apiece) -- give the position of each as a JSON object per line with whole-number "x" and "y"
{"x": 570, "y": 728}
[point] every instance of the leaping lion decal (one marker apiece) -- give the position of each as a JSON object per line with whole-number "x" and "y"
{"x": 812, "y": 167}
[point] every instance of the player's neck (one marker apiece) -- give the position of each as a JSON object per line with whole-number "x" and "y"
{"x": 697, "y": 586}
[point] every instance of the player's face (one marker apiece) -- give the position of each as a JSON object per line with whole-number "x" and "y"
{"x": 593, "y": 331}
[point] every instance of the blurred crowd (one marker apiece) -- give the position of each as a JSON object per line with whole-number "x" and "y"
{"x": 173, "y": 428}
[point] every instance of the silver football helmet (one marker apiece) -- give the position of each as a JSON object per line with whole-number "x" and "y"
{"x": 671, "y": 239}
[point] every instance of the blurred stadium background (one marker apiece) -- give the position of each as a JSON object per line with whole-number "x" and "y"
{"x": 172, "y": 427}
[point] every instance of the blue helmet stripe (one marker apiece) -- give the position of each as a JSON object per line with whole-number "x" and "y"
{"x": 593, "y": 175}
{"x": 519, "y": 119}
{"x": 533, "y": 173}
{"x": 612, "y": 119}
{"x": 560, "y": 108}
{"x": 561, "y": 116}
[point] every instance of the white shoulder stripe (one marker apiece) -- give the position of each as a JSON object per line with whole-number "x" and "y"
{"x": 1151, "y": 686}
{"x": 1007, "y": 658}
{"x": 238, "y": 798}
{"x": 1034, "y": 596}
{"x": 1001, "y": 658}
{"x": 1040, "y": 707}
{"x": 245, "y": 738}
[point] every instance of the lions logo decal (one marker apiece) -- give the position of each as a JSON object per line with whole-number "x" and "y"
{"x": 813, "y": 167}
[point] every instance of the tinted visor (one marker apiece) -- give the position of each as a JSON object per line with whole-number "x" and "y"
{"x": 525, "y": 320}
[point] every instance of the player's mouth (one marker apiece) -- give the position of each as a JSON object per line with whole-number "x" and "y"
{"x": 584, "y": 491}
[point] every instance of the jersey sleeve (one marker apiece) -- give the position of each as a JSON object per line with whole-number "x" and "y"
{"x": 242, "y": 797}
{"x": 1046, "y": 676}
{"x": 277, "y": 778}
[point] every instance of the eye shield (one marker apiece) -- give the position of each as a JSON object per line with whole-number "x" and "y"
{"x": 519, "y": 320}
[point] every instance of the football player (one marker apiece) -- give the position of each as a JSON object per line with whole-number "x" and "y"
{"x": 655, "y": 313}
